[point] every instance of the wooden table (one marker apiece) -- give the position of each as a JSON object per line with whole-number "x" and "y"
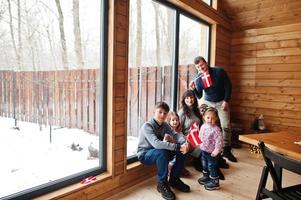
{"x": 281, "y": 142}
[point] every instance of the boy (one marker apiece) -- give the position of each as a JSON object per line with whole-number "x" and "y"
{"x": 158, "y": 144}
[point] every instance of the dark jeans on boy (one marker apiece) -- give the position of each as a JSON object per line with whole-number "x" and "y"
{"x": 161, "y": 158}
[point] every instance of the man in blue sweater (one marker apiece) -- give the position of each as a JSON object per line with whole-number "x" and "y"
{"x": 158, "y": 144}
{"x": 217, "y": 88}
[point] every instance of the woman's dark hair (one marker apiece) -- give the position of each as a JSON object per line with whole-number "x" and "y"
{"x": 195, "y": 106}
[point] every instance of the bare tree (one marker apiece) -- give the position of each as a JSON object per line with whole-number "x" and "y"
{"x": 62, "y": 34}
{"x": 77, "y": 35}
{"x": 157, "y": 28}
{"x": 18, "y": 60}
{"x": 12, "y": 30}
{"x": 139, "y": 56}
{"x": 139, "y": 34}
{"x": 19, "y": 35}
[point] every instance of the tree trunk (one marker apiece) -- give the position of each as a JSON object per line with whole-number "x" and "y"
{"x": 157, "y": 28}
{"x": 139, "y": 35}
{"x": 62, "y": 34}
{"x": 18, "y": 60}
{"x": 77, "y": 35}
{"x": 138, "y": 59}
{"x": 12, "y": 30}
{"x": 19, "y": 36}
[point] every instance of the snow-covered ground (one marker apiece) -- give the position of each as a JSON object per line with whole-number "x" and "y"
{"x": 30, "y": 158}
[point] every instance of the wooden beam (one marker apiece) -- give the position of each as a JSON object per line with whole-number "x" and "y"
{"x": 204, "y": 11}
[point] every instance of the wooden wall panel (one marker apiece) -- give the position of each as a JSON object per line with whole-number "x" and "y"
{"x": 266, "y": 72}
{"x": 262, "y": 13}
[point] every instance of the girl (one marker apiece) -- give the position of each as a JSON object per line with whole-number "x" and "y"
{"x": 212, "y": 143}
{"x": 190, "y": 113}
{"x": 173, "y": 120}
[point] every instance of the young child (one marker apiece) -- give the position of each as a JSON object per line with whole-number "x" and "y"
{"x": 212, "y": 144}
{"x": 173, "y": 120}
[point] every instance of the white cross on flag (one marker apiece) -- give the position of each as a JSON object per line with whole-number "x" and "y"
{"x": 193, "y": 135}
{"x": 207, "y": 81}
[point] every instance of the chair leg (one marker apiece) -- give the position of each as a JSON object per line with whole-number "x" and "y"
{"x": 262, "y": 183}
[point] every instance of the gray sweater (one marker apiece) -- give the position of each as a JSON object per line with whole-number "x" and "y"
{"x": 151, "y": 136}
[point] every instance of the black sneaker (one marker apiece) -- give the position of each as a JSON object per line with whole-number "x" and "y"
{"x": 213, "y": 184}
{"x": 165, "y": 191}
{"x": 179, "y": 185}
{"x": 203, "y": 180}
{"x": 228, "y": 154}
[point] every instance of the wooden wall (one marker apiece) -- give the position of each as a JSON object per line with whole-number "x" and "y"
{"x": 266, "y": 62}
{"x": 119, "y": 175}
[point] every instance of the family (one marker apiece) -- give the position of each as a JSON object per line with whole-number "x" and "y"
{"x": 163, "y": 141}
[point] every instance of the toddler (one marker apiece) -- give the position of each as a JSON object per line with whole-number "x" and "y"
{"x": 212, "y": 143}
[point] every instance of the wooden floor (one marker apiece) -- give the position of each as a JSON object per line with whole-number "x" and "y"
{"x": 241, "y": 182}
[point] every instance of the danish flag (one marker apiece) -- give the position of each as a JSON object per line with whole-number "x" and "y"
{"x": 193, "y": 135}
{"x": 207, "y": 81}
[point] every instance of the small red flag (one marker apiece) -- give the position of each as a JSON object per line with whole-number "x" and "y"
{"x": 207, "y": 81}
{"x": 193, "y": 135}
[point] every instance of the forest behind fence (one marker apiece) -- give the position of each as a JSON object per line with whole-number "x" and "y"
{"x": 69, "y": 98}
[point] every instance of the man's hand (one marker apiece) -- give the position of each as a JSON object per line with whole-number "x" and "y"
{"x": 192, "y": 85}
{"x": 225, "y": 105}
{"x": 184, "y": 148}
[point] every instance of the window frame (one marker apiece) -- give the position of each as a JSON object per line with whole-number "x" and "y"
{"x": 175, "y": 52}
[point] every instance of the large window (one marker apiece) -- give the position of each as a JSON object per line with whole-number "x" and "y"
{"x": 50, "y": 104}
{"x": 193, "y": 41}
{"x": 150, "y": 58}
{"x": 163, "y": 40}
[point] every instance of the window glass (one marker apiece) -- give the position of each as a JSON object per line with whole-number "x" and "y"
{"x": 193, "y": 41}
{"x": 49, "y": 83}
{"x": 150, "y": 56}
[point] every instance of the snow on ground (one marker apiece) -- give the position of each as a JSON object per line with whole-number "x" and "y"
{"x": 29, "y": 159}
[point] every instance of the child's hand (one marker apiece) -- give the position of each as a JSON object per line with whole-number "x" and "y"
{"x": 184, "y": 148}
{"x": 214, "y": 153}
{"x": 168, "y": 138}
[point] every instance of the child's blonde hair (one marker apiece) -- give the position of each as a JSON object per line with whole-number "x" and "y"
{"x": 173, "y": 114}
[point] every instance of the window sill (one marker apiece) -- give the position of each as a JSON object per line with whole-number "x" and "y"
{"x": 73, "y": 188}
{"x": 133, "y": 165}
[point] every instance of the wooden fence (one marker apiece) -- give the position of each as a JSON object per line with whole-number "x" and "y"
{"x": 148, "y": 85}
{"x": 57, "y": 98}
{"x": 69, "y": 98}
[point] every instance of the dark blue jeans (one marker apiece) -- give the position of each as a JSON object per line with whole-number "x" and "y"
{"x": 161, "y": 158}
{"x": 210, "y": 164}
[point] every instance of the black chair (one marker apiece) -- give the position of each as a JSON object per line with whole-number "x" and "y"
{"x": 275, "y": 162}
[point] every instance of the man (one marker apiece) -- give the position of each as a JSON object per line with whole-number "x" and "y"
{"x": 158, "y": 144}
{"x": 217, "y": 89}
